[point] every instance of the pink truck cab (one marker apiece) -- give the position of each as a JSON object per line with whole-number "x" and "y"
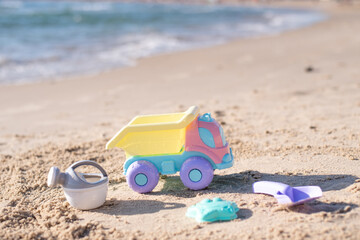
{"x": 207, "y": 136}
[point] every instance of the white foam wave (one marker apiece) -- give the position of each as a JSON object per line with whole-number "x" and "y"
{"x": 132, "y": 47}
{"x": 124, "y": 47}
{"x": 11, "y": 4}
{"x": 92, "y": 7}
{"x": 286, "y": 21}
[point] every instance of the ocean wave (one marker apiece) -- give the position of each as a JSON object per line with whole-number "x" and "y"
{"x": 130, "y": 48}
{"x": 11, "y": 4}
{"x": 92, "y": 7}
{"x": 56, "y": 39}
{"x": 292, "y": 19}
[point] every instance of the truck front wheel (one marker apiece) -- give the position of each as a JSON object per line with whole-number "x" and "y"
{"x": 196, "y": 173}
{"x": 142, "y": 176}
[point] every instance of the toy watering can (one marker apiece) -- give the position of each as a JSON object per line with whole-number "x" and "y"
{"x": 79, "y": 192}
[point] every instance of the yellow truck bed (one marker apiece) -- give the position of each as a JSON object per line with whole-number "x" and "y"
{"x": 154, "y": 134}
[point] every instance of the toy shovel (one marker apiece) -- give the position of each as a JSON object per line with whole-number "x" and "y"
{"x": 286, "y": 194}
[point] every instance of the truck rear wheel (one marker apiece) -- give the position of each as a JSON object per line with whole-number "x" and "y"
{"x": 196, "y": 173}
{"x": 142, "y": 176}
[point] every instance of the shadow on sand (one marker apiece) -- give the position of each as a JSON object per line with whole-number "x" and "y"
{"x": 244, "y": 213}
{"x": 242, "y": 183}
{"x": 318, "y": 206}
{"x": 133, "y": 207}
{"x": 235, "y": 183}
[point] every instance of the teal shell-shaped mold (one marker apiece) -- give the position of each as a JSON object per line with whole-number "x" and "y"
{"x": 213, "y": 210}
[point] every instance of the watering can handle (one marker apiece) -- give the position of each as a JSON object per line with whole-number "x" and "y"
{"x": 89, "y": 162}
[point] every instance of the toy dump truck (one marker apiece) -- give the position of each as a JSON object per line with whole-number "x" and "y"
{"x": 187, "y": 142}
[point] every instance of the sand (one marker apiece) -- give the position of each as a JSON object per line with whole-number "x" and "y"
{"x": 290, "y": 108}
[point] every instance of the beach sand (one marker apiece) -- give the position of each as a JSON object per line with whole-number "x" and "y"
{"x": 289, "y": 105}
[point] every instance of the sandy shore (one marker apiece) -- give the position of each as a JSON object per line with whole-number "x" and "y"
{"x": 283, "y": 122}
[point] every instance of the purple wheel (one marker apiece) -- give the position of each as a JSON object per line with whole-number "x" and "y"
{"x": 142, "y": 176}
{"x": 196, "y": 173}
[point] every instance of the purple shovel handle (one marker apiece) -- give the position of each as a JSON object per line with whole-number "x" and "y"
{"x": 270, "y": 188}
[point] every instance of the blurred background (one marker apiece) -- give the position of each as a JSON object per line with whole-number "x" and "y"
{"x": 52, "y": 39}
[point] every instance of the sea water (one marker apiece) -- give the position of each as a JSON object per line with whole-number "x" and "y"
{"x": 47, "y": 40}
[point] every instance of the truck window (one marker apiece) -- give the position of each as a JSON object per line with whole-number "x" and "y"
{"x": 222, "y": 136}
{"x": 207, "y": 137}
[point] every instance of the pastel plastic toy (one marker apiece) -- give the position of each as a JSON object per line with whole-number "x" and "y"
{"x": 79, "y": 192}
{"x": 288, "y": 195}
{"x": 213, "y": 210}
{"x": 187, "y": 142}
